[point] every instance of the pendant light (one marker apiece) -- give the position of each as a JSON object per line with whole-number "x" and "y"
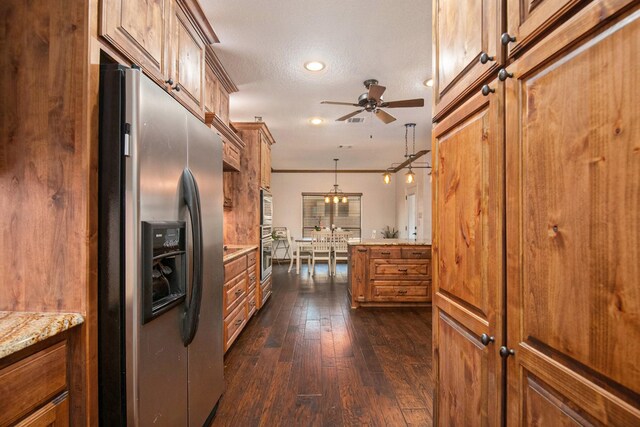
{"x": 410, "y": 176}
{"x": 386, "y": 177}
{"x": 335, "y": 195}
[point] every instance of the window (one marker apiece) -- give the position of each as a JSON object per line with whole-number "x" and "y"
{"x": 317, "y": 213}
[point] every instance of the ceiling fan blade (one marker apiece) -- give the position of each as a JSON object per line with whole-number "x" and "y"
{"x": 384, "y": 116}
{"x": 419, "y": 102}
{"x": 339, "y": 103}
{"x": 348, "y": 116}
{"x": 376, "y": 91}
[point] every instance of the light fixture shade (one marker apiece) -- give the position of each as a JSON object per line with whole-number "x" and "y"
{"x": 411, "y": 177}
{"x": 344, "y": 199}
{"x": 386, "y": 177}
{"x": 326, "y": 199}
{"x": 336, "y": 199}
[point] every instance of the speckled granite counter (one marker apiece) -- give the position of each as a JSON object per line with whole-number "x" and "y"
{"x": 390, "y": 242}
{"x": 20, "y": 329}
{"x": 235, "y": 251}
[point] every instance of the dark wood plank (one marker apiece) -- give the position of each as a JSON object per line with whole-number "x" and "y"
{"x": 306, "y": 358}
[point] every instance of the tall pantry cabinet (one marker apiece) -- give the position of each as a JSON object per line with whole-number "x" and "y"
{"x": 537, "y": 212}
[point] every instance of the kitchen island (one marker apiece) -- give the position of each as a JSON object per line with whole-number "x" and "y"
{"x": 390, "y": 272}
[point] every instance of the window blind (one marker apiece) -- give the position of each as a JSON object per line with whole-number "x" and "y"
{"x": 317, "y": 213}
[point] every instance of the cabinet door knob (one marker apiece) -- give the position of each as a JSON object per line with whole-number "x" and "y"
{"x": 169, "y": 81}
{"x": 503, "y": 74}
{"x": 176, "y": 88}
{"x": 506, "y": 39}
{"x": 486, "y": 339}
{"x": 486, "y": 90}
{"x": 484, "y": 58}
{"x": 506, "y": 352}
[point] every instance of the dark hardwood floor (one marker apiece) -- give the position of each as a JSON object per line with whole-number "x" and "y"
{"x": 307, "y": 359}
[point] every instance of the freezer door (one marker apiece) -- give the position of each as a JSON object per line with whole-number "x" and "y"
{"x": 206, "y": 382}
{"x": 156, "y": 357}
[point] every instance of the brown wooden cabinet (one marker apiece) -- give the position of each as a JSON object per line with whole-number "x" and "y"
{"x": 565, "y": 187}
{"x": 573, "y": 237}
{"x": 34, "y": 388}
{"x": 265, "y": 162}
{"x": 167, "y": 39}
{"x": 239, "y": 301}
{"x": 466, "y": 42}
{"x": 389, "y": 275}
{"x": 139, "y": 30}
{"x": 187, "y": 60}
{"x": 468, "y": 199}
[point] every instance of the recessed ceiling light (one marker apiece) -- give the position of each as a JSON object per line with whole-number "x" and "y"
{"x": 314, "y": 66}
{"x": 428, "y": 83}
{"x": 316, "y": 121}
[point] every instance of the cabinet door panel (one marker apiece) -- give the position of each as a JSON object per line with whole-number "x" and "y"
{"x": 137, "y": 28}
{"x": 462, "y": 31}
{"x": 467, "y": 255}
{"x": 187, "y": 61}
{"x": 211, "y": 91}
{"x": 573, "y": 187}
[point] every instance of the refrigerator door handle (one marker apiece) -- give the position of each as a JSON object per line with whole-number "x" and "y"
{"x": 192, "y": 311}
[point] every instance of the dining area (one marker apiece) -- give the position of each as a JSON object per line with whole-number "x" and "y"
{"x": 325, "y": 246}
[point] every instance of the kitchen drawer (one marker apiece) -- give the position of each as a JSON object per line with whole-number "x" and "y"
{"x": 252, "y": 303}
{"x": 252, "y": 258}
{"x": 265, "y": 291}
{"x": 234, "y": 324}
{"x": 253, "y": 279}
{"x": 383, "y": 293}
{"x": 416, "y": 253}
{"x": 403, "y": 268}
{"x": 385, "y": 253}
{"x": 234, "y": 292}
{"x": 31, "y": 382}
{"x": 402, "y": 283}
{"x": 235, "y": 267}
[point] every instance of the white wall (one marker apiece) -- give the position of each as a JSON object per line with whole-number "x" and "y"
{"x": 422, "y": 189}
{"x": 378, "y": 199}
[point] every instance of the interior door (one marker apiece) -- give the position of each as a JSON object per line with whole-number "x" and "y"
{"x": 463, "y": 31}
{"x": 573, "y": 225}
{"x": 468, "y": 253}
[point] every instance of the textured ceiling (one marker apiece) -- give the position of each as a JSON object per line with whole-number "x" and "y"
{"x": 264, "y": 45}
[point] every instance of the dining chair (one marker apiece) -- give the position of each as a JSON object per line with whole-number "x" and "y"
{"x": 340, "y": 248}
{"x": 320, "y": 249}
{"x": 296, "y": 252}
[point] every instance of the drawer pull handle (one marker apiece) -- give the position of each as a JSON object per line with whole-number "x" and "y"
{"x": 486, "y": 90}
{"x": 486, "y": 339}
{"x": 503, "y": 75}
{"x": 385, "y": 253}
{"x": 362, "y": 250}
{"x": 238, "y": 292}
{"x": 239, "y": 322}
{"x": 402, "y": 292}
{"x": 404, "y": 270}
{"x": 507, "y": 38}
{"x": 418, "y": 253}
{"x": 484, "y": 58}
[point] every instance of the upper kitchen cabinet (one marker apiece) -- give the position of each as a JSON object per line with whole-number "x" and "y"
{"x": 265, "y": 161}
{"x": 167, "y": 39}
{"x": 529, "y": 20}
{"x": 218, "y": 86}
{"x": 139, "y": 30}
{"x": 467, "y": 49}
{"x": 259, "y": 135}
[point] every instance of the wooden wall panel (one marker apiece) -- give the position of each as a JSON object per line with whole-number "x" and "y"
{"x": 44, "y": 156}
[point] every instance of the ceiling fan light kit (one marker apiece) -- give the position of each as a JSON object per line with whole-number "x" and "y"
{"x": 372, "y": 102}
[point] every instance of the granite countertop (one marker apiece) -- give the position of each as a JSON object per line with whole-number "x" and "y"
{"x": 237, "y": 251}
{"x": 20, "y": 329}
{"x": 390, "y": 242}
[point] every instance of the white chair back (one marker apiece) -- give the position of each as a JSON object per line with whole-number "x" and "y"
{"x": 321, "y": 241}
{"x": 340, "y": 239}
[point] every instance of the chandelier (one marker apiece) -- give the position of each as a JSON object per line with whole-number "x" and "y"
{"x": 335, "y": 195}
{"x": 410, "y": 176}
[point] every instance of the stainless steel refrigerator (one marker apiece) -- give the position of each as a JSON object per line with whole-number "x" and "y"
{"x": 160, "y": 257}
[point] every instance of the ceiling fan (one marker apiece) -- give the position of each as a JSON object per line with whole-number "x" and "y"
{"x": 372, "y": 101}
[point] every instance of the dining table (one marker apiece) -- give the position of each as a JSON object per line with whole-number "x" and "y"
{"x": 305, "y": 244}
